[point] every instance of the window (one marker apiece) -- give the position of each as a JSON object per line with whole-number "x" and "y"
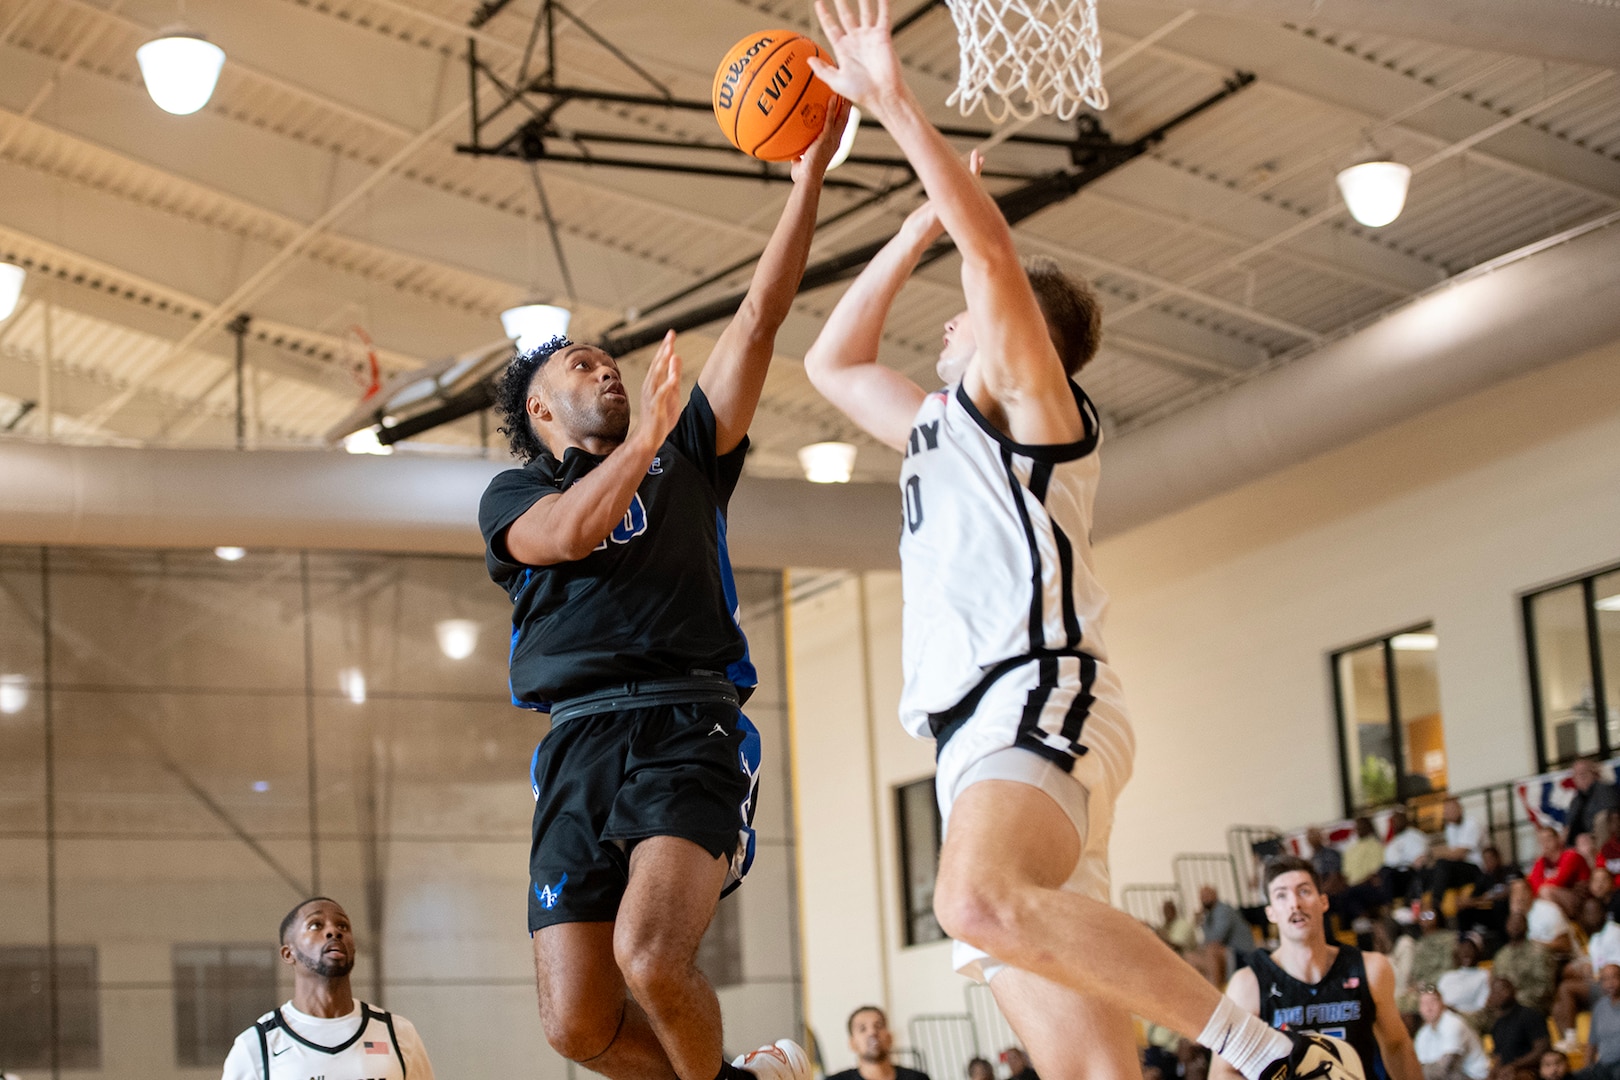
{"x": 1573, "y": 634}
{"x": 1392, "y": 744}
{"x": 219, "y": 991}
{"x": 25, "y": 1008}
{"x": 918, "y": 814}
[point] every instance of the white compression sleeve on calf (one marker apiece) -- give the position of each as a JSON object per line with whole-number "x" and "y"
{"x": 1243, "y": 1039}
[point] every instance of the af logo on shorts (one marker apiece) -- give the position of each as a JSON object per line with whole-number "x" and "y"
{"x": 550, "y": 895}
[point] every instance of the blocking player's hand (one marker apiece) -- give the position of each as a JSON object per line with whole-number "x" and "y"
{"x": 661, "y": 393}
{"x": 812, "y": 164}
{"x": 923, "y": 224}
{"x": 868, "y": 71}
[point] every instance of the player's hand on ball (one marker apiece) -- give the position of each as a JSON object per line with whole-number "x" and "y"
{"x": 661, "y": 393}
{"x": 813, "y": 162}
{"x": 868, "y": 72}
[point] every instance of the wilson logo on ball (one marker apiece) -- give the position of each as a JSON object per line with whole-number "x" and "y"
{"x": 766, "y": 99}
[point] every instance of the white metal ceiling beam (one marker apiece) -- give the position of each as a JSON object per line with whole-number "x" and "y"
{"x": 67, "y": 63}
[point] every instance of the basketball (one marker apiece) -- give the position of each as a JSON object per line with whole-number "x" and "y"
{"x": 767, "y": 102}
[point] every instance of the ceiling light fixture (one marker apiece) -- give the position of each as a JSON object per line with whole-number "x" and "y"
{"x": 365, "y": 441}
{"x": 352, "y": 681}
{"x": 230, "y": 554}
{"x": 457, "y": 637}
{"x": 533, "y": 323}
{"x": 1375, "y": 191}
{"x": 847, "y": 143}
{"x": 1415, "y": 642}
{"x": 12, "y": 277}
{"x": 180, "y": 68}
{"x": 1607, "y": 603}
{"x": 827, "y": 462}
{"x": 13, "y": 693}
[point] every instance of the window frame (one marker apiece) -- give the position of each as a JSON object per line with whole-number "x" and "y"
{"x": 1545, "y": 761}
{"x": 908, "y": 912}
{"x": 1391, "y": 706}
{"x": 191, "y": 1048}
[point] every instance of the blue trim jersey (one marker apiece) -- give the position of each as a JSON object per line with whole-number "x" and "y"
{"x": 1340, "y": 1005}
{"x": 655, "y": 600}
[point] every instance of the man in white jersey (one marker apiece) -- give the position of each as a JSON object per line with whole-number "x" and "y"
{"x": 1004, "y": 664}
{"x": 324, "y": 1031}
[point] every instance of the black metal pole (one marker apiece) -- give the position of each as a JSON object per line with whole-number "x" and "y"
{"x": 239, "y": 327}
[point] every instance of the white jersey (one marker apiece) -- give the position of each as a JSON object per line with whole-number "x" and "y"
{"x": 995, "y": 556}
{"x": 368, "y": 1044}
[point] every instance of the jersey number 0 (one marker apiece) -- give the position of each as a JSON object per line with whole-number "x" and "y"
{"x": 914, "y": 510}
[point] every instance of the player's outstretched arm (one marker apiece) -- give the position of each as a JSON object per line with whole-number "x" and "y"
{"x": 734, "y": 376}
{"x": 1394, "y": 1041}
{"x": 1244, "y": 989}
{"x": 1015, "y": 377}
{"x": 843, "y": 362}
{"x": 567, "y": 527}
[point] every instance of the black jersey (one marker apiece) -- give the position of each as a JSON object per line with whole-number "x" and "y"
{"x": 655, "y": 600}
{"x": 1341, "y": 1004}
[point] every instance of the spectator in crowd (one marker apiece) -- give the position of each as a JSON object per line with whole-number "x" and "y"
{"x": 1557, "y": 870}
{"x": 1487, "y": 908}
{"x": 1600, "y": 887}
{"x": 1435, "y": 954}
{"x": 1405, "y": 855}
{"x": 1177, "y": 930}
{"x": 1324, "y": 856}
{"x": 1528, "y": 965}
{"x": 1228, "y": 939}
{"x": 1608, "y": 837}
{"x": 871, "y": 1039}
{"x": 1364, "y": 858}
{"x": 1578, "y": 988}
{"x": 1554, "y": 1065}
{"x": 1460, "y": 856}
{"x": 1466, "y": 988}
{"x": 1446, "y": 1046}
{"x": 1603, "y": 1044}
{"x": 1018, "y": 1066}
{"x": 1518, "y": 1032}
{"x": 980, "y": 1069}
{"x": 1152, "y": 1072}
{"x": 1593, "y": 796}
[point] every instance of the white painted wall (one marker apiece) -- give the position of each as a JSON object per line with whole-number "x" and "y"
{"x": 1223, "y": 617}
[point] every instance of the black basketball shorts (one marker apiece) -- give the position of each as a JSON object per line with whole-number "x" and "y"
{"x": 604, "y": 781}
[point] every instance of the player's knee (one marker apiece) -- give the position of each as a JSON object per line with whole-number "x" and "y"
{"x": 579, "y": 1031}
{"x": 652, "y": 970}
{"x": 980, "y": 913}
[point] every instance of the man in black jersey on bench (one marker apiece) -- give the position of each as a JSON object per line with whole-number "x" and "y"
{"x": 1310, "y": 985}
{"x": 611, "y": 543}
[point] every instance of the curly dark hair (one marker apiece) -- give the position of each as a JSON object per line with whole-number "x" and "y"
{"x": 512, "y": 393}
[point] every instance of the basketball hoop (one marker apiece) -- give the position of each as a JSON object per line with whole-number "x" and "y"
{"x": 1028, "y": 58}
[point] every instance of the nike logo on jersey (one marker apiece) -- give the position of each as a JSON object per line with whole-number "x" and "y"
{"x": 923, "y": 437}
{"x": 718, "y": 730}
{"x": 278, "y": 1053}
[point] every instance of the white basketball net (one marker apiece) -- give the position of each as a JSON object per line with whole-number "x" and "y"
{"x": 1027, "y": 58}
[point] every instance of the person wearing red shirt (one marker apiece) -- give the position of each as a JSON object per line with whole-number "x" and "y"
{"x": 1559, "y": 869}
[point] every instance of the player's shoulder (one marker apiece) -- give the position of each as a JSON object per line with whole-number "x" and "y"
{"x": 1244, "y": 987}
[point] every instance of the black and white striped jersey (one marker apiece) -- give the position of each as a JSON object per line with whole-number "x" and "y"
{"x": 995, "y": 554}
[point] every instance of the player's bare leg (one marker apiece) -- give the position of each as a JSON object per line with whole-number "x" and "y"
{"x": 584, "y": 1007}
{"x": 669, "y": 903}
{"x": 1007, "y": 853}
{"x": 1074, "y": 1037}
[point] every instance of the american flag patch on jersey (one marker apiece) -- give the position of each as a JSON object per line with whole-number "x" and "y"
{"x": 376, "y": 1048}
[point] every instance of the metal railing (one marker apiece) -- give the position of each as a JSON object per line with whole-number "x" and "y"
{"x": 1145, "y": 903}
{"x": 1249, "y": 847}
{"x": 945, "y": 1043}
{"x": 1194, "y": 871}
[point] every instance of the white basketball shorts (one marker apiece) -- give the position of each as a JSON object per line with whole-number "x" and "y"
{"x": 983, "y": 748}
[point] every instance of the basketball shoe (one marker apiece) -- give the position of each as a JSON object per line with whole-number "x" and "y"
{"x": 786, "y": 1060}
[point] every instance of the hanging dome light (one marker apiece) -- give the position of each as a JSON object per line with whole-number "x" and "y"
{"x": 847, "y": 143}
{"x": 1375, "y": 191}
{"x": 181, "y": 68}
{"x": 532, "y": 324}
{"x": 827, "y": 462}
{"x": 457, "y": 637}
{"x": 11, "y": 283}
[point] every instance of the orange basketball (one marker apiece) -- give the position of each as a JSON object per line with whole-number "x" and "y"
{"x": 767, "y": 102}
